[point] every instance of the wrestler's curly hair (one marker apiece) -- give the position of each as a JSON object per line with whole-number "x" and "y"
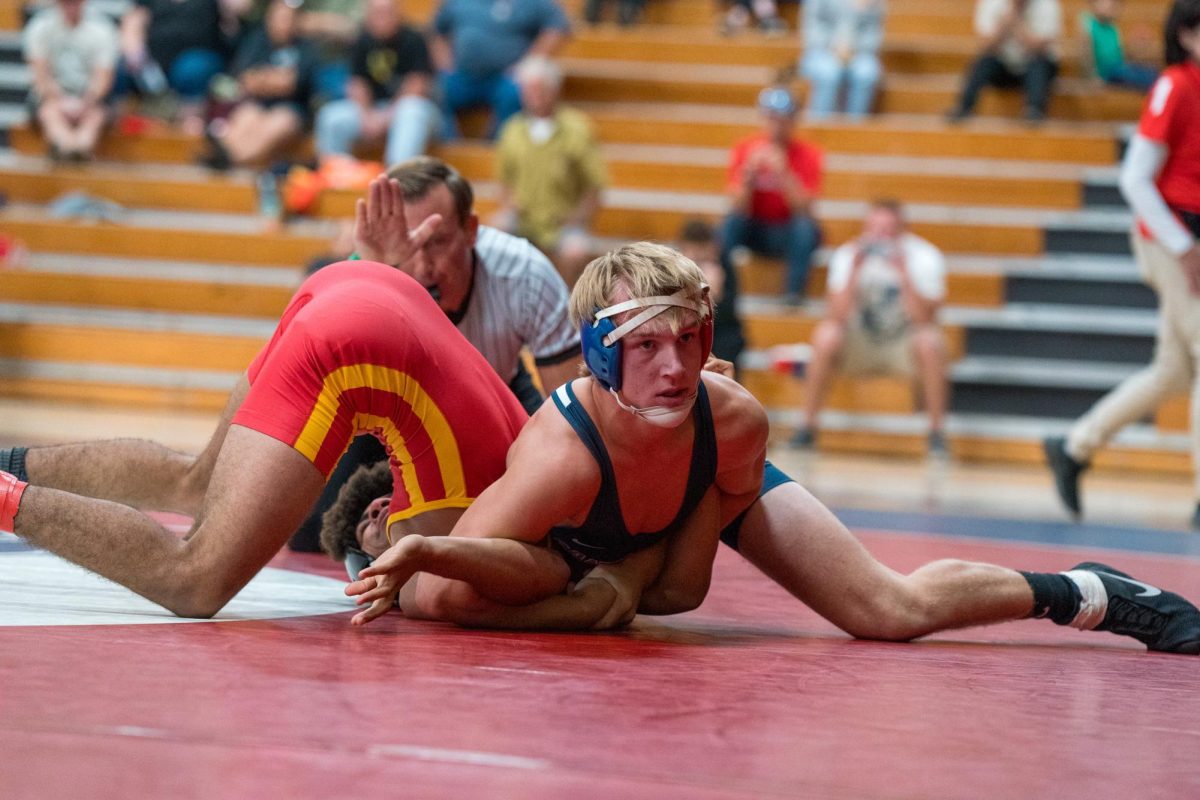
{"x": 339, "y": 522}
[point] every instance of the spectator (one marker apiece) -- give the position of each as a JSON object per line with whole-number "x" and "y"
{"x": 841, "y": 46}
{"x": 72, "y": 54}
{"x": 172, "y": 44}
{"x": 1020, "y": 48}
{"x": 274, "y": 69}
{"x": 332, "y": 26}
{"x": 774, "y": 179}
{"x": 628, "y": 11}
{"x": 1104, "y": 49}
{"x": 698, "y": 241}
{"x": 550, "y": 169}
{"x": 388, "y": 93}
{"x": 885, "y": 289}
{"x": 477, "y": 42}
{"x": 740, "y": 12}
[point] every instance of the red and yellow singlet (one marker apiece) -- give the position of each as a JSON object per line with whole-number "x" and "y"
{"x": 363, "y": 348}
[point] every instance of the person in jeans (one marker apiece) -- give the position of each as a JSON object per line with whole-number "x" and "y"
{"x": 476, "y": 44}
{"x": 388, "y": 93}
{"x": 774, "y": 177}
{"x": 1105, "y": 52}
{"x": 841, "y": 48}
{"x": 173, "y": 45}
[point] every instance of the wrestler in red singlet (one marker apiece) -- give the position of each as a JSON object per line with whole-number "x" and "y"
{"x": 363, "y": 348}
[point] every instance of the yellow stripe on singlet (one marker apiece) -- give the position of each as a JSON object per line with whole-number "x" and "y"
{"x": 385, "y": 379}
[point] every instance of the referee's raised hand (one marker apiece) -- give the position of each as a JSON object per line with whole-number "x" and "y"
{"x": 381, "y": 232}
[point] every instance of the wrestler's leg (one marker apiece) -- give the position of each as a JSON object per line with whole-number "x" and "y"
{"x": 136, "y": 472}
{"x": 260, "y": 490}
{"x": 797, "y": 542}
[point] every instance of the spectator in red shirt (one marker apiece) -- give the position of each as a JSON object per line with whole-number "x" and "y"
{"x": 773, "y": 180}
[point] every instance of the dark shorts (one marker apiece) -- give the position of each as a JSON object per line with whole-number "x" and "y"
{"x": 772, "y": 476}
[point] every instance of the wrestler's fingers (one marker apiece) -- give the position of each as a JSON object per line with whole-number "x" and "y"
{"x": 424, "y": 232}
{"x": 381, "y": 591}
{"x": 377, "y": 609}
{"x": 363, "y": 584}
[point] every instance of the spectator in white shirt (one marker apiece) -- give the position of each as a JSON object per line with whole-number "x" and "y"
{"x": 884, "y": 292}
{"x": 72, "y": 55}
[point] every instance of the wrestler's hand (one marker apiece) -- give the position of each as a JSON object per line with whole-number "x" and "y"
{"x": 380, "y": 228}
{"x": 379, "y": 583}
{"x": 719, "y": 366}
{"x": 625, "y": 596}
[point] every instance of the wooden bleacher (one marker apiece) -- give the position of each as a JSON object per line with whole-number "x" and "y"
{"x": 668, "y": 98}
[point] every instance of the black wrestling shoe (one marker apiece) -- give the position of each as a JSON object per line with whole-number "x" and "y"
{"x": 1161, "y": 620}
{"x": 1066, "y": 472}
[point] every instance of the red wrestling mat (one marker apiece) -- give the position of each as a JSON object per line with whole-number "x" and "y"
{"x": 750, "y": 696}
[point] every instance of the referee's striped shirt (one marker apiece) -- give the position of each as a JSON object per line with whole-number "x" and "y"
{"x": 518, "y": 300}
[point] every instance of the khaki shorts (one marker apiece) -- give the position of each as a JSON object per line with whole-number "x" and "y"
{"x": 864, "y": 355}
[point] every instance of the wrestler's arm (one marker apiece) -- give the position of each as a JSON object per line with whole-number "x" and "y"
{"x": 742, "y": 429}
{"x": 491, "y": 571}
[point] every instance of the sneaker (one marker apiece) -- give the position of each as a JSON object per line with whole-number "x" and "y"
{"x": 1161, "y": 620}
{"x": 803, "y": 439}
{"x": 1033, "y": 116}
{"x": 1196, "y": 517}
{"x": 938, "y": 448}
{"x": 1066, "y": 472}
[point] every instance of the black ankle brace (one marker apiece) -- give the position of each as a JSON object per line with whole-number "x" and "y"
{"x": 1054, "y": 595}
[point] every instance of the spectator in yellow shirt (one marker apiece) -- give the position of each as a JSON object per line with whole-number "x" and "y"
{"x": 550, "y": 169}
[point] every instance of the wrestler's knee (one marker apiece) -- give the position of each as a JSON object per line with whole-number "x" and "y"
{"x": 913, "y": 605}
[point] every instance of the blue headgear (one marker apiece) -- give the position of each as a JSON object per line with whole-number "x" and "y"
{"x": 601, "y": 339}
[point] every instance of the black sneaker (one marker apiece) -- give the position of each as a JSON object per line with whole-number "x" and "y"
{"x": 1161, "y": 620}
{"x": 1066, "y": 472}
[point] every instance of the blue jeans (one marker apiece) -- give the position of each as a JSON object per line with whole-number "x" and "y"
{"x": 188, "y": 74}
{"x": 414, "y": 122}
{"x": 826, "y": 74}
{"x": 1134, "y": 76}
{"x": 794, "y": 241}
{"x": 461, "y": 91}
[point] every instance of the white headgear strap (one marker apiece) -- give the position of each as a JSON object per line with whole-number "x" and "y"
{"x": 653, "y": 305}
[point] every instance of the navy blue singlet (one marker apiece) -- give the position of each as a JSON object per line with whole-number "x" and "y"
{"x": 603, "y": 537}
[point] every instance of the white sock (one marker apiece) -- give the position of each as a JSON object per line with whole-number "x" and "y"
{"x": 1093, "y": 604}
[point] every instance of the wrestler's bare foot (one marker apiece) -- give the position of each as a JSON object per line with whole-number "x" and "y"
{"x": 379, "y": 583}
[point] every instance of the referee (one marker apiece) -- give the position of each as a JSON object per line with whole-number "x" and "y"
{"x": 501, "y": 292}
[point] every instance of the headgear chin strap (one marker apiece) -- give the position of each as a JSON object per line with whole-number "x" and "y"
{"x": 602, "y": 351}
